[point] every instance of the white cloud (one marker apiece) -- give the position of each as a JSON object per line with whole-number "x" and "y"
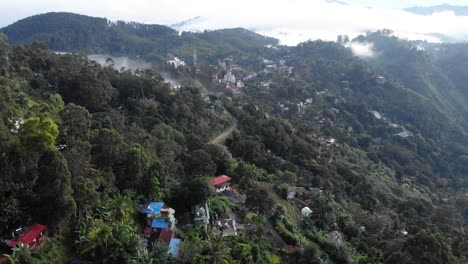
{"x": 292, "y": 21}
{"x": 363, "y": 50}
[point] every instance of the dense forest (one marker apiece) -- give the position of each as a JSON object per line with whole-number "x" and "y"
{"x": 376, "y": 149}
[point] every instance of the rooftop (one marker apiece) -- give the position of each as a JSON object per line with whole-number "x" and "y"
{"x": 30, "y": 237}
{"x": 159, "y": 223}
{"x": 152, "y": 207}
{"x": 166, "y": 235}
{"x": 174, "y": 247}
{"x": 220, "y": 180}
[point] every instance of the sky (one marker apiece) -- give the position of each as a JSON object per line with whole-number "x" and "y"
{"x": 404, "y": 3}
{"x": 291, "y": 21}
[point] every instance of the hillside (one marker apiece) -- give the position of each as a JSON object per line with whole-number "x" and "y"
{"x": 368, "y": 146}
{"x": 426, "y": 73}
{"x": 92, "y": 35}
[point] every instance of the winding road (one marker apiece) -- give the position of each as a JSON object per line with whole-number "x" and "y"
{"x": 226, "y": 133}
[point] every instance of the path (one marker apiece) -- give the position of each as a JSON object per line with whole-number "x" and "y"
{"x": 224, "y": 134}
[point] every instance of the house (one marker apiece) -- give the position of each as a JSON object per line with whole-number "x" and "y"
{"x": 159, "y": 223}
{"x": 229, "y": 77}
{"x": 151, "y": 208}
{"x": 174, "y": 247}
{"x": 31, "y": 238}
{"x": 158, "y": 216}
{"x": 222, "y": 183}
{"x": 201, "y": 215}
{"x": 225, "y": 227}
{"x": 166, "y": 235}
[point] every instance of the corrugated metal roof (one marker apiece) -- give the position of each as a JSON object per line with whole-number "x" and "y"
{"x": 174, "y": 246}
{"x": 152, "y": 207}
{"x": 220, "y": 179}
{"x": 159, "y": 223}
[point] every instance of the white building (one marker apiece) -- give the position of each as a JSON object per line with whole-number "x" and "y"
{"x": 176, "y": 62}
{"x": 229, "y": 77}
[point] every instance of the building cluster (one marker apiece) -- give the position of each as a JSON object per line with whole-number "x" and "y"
{"x": 160, "y": 225}
{"x": 229, "y": 81}
{"x": 202, "y": 216}
{"x": 280, "y": 67}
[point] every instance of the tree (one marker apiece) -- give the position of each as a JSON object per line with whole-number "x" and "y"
{"x": 428, "y": 248}
{"x": 37, "y": 135}
{"x": 246, "y": 175}
{"x": 221, "y": 157}
{"x": 134, "y": 168}
{"x": 21, "y": 255}
{"x": 76, "y": 123}
{"x": 218, "y": 251}
{"x": 199, "y": 163}
{"x": 107, "y": 146}
{"x": 53, "y": 187}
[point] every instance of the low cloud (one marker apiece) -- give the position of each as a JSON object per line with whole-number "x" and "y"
{"x": 291, "y": 21}
{"x": 363, "y": 50}
{"x": 121, "y": 62}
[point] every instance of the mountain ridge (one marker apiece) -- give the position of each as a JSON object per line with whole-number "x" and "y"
{"x": 429, "y": 10}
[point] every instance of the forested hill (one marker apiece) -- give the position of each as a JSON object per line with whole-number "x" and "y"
{"x": 73, "y": 32}
{"x": 434, "y": 74}
{"x": 380, "y": 165}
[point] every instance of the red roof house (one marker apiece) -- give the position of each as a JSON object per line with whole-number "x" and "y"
{"x": 31, "y": 237}
{"x": 222, "y": 183}
{"x": 166, "y": 235}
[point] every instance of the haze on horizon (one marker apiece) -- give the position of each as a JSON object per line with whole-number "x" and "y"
{"x": 290, "y": 21}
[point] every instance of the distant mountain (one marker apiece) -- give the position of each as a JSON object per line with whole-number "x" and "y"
{"x": 92, "y": 35}
{"x": 72, "y": 32}
{"x": 439, "y": 77}
{"x": 428, "y": 10}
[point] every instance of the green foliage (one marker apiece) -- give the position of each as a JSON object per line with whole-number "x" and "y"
{"x": 129, "y": 132}
{"x": 38, "y": 134}
{"x": 55, "y": 203}
{"x": 219, "y": 205}
{"x": 109, "y": 233}
{"x": 282, "y": 190}
{"x": 76, "y": 123}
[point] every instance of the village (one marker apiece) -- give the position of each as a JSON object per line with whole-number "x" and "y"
{"x": 160, "y": 223}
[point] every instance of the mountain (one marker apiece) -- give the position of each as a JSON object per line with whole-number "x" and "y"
{"x": 374, "y": 147}
{"x": 68, "y": 31}
{"x": 429, "y": 10}
{"x": 73, "y": 32}
{"x": 426, "y": 73}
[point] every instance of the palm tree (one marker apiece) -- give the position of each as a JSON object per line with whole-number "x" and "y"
{"x": 97, "y": 237}
{"x": 21, "y": 255}
{"x": 122, "y": 208}
{"x": 218, "y": 250}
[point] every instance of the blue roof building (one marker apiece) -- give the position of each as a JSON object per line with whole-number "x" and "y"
{"x": 152, "y": 207}
{"x": 174, "y": 247}
{"x": 159, "y": 223}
